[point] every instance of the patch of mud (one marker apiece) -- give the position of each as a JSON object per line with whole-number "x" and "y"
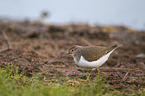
{"x": 36, "y": 48}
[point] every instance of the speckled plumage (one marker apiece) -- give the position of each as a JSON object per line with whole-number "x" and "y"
{"x": 91, "y": 53}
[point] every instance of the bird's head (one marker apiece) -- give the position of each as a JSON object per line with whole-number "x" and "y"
{"x": 72, "y": 50}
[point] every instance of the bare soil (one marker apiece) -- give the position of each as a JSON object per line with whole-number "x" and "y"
{"x": 36, "y": 48}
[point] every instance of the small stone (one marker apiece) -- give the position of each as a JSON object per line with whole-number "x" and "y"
{"x": 140, "y": 55}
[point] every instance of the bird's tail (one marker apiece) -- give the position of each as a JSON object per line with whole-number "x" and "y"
{"x": 116, "y": 46}
{"x": 113, "y": 48}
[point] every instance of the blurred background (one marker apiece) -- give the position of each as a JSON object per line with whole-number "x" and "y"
{"x": 34, "y": 34}
{"x": 129, "y": 13}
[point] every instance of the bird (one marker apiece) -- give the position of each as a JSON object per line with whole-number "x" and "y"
{"x": 91, "y": 56}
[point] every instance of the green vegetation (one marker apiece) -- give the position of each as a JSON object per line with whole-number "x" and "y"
{"x": 14, "y": 84}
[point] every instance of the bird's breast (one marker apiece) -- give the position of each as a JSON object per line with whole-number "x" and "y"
{"x": 93, "y": 64}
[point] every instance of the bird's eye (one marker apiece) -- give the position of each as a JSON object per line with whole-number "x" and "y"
{"x": 72, "y": 50}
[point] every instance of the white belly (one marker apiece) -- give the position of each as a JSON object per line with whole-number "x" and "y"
{"x": 94, "y": 64}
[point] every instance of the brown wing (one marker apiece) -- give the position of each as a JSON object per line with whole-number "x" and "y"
{"x": 93, "y": 53}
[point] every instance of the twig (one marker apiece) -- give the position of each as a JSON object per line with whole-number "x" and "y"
{"x": 40, "y": 55}
{"x": 125, "y": 75}
{"x": 6, "y": 49}
{"x": 129, "y": 82}
{"x": 57, "y": 61}
{"x": 8, "y": 42}
{"x": 6, "y": 38}
{"x": 109, "y": 69}
{"x": 87, "y": 42}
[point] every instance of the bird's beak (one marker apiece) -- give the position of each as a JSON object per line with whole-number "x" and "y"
{"x": 65, "y": 55}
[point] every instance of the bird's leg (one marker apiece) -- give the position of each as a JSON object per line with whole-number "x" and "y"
{"x": 88, "y": 76}
{"x": 98, "y": 74}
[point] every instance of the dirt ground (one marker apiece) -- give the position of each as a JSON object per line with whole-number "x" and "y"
{"x": 36, "y": 48}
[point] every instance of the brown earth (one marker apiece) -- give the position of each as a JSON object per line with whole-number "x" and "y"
{"x": 36, "y": 48}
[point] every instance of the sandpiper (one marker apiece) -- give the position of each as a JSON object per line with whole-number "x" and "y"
{"x": 91, "y": 56}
